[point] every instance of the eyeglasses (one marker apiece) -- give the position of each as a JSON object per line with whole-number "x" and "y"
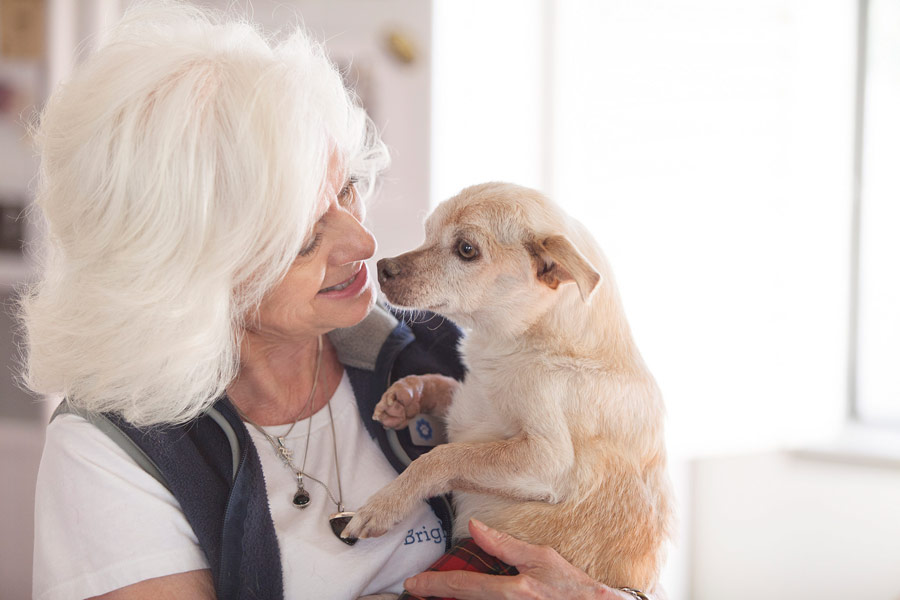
{"x": 339, "y": 521}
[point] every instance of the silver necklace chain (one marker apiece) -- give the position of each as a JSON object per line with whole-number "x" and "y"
{"x": 286, "y": 454}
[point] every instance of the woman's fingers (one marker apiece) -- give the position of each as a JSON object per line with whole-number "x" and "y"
{"x": 510, "y": 550}
{"x": 543, "y": 574}
{"x": 467, "y": 585}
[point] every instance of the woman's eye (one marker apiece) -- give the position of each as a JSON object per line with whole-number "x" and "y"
{"x": 311, "y": 247}
{"x": 466, "y": 250}
{"x": 348, "y": 190}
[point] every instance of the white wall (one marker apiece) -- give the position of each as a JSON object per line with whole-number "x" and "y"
{"x": 708, "y": 145}
{"x": 489, "y": 94}
{"x": 780, "y": 527}
{"x": 20, "y": 452}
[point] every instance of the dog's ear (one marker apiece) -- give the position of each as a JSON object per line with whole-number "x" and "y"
{"x": 557, "y": 261}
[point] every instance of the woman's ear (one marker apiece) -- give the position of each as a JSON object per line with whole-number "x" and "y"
{"x": 557, "y": 261}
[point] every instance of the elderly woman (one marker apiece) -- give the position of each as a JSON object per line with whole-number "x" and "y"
{"x": 206, "y": 311}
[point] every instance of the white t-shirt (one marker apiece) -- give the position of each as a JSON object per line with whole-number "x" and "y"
{"x": 102, "y": 523}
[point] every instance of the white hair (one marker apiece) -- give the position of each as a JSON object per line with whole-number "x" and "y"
{"x": 180, "y": 169}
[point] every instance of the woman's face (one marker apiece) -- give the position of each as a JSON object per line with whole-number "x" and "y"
{"x": 328, "y": 286}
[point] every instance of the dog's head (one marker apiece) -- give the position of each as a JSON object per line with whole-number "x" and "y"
{"x": 496, "y": 254}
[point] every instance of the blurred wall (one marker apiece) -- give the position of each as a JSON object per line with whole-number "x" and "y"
{"x": 22, "y": 81}
{"x": 781, "y": 526}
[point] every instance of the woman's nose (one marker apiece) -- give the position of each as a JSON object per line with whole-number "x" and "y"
{"x": 355, "y": 241}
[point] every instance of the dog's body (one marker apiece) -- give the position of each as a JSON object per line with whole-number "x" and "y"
{"x": 556, "y": 435}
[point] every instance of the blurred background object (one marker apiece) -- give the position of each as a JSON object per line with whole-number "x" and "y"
{"x": 22, "y": 33}
{"x": 22, "y": 81}
{"x": 739, "y": 161}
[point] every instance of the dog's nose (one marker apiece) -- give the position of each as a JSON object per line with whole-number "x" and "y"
{"x": 387, "y": 269}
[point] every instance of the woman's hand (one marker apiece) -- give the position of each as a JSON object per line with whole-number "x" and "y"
{"x": 543, "y": 573}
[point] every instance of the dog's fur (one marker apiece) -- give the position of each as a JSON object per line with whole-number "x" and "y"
{"x": 556, "y": 435}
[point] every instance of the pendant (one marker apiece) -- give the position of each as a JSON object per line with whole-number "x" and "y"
{"x": 284, "y": 453}
{"x": 301, "y": 498}
{"x": 338, "y": 522}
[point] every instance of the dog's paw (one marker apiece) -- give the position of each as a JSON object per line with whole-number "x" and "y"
{"x": 401, "y": 402}
{"x": 377, "y": 517}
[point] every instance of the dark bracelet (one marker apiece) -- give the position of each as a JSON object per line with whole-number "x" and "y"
{"x": 636, "y": 593}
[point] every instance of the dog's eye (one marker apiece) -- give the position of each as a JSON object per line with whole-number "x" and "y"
{"x": 466, "y": 250}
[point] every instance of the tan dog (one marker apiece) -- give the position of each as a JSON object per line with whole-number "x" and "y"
{"x": 556, "y": 435}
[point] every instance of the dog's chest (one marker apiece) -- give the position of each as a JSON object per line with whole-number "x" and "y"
{"x": 480, "y": 410}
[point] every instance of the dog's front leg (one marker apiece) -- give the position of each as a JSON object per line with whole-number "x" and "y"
{"x": 430, "y": 394}
{"x": 522, "y": 468}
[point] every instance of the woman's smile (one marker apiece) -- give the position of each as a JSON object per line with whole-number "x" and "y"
{"x": 349, "y": 287}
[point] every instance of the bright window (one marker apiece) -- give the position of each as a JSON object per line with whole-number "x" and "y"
{"x": 878, "y": 357}
{"x": 709, "y": 146}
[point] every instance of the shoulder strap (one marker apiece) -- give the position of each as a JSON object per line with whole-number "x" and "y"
{"x": 212, "y": 469}
{"x": 104, "y": 424}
